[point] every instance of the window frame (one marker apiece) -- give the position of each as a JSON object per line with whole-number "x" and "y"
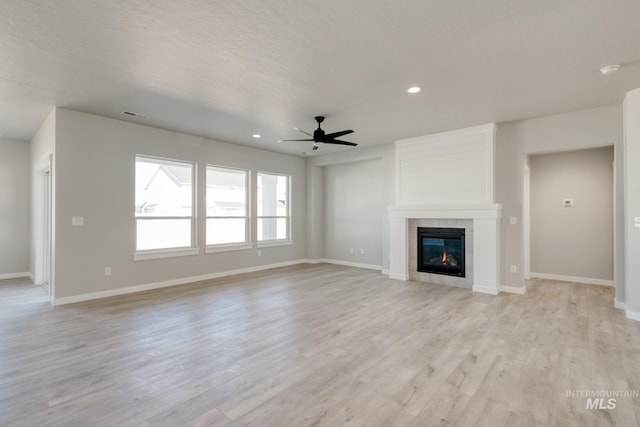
{"x": 192, "y": 249}
{"x": 235, "y": 246}
{"x": 288, "y": 240}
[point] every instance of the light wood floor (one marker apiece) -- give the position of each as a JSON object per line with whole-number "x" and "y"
{"x": 316, "y": 345}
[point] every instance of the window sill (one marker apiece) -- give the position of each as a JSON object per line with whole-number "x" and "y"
{"x": 164, "y": 253}
{"x": 270, "y": 243}
{"x": 228, "y": 247}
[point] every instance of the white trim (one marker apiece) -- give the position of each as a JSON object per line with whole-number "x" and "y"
{"x": 385, "y": 271}
{"x": 227, "y": 247}
{"x": 7, "y": 276}
{"x": 444, "y": 211}
{"x": 272, "y": 243}
{"x": 352, "y": 264}
{"x": 395, "y": 276}
{"x": 165, "y": 284}
{"x": 32, "y": 278}
{"x": 633, "y": 315}
{"x": 164, "y": 253}
{"x": 588, "y": 281}
{"x": 514, "y": 289}
{"x": 485, "y": 290}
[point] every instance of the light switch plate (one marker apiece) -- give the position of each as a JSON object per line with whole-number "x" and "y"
{"x": 77, "y": 220}
{"x": 513, "y": 220}
{"x": 567, "y": 203}
{"x": 636, "y": 221}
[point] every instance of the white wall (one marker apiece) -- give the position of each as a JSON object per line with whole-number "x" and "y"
{"x": 563, "y": 132}
{"x": 572, "y": 241}
{"x": 15, "y": 201}
{"x": 384, "y": 157}
{"x": 632, "y": 202}
{"x": 353, "y": 212}
{"x": 95, "y": 159}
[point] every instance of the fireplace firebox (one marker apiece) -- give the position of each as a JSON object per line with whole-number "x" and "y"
{"x": 441, "y": 251}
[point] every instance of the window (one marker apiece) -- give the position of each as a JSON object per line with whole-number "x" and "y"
{"x": 274, "y": 213}
{"x": 227, "y": 205}
{"x": 164, "y": 204}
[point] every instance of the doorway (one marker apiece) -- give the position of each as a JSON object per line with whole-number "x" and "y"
{"x": 568, "y": 218}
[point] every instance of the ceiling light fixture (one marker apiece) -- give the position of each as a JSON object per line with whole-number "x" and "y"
{"x": 609, "y": 69}
{"x": 414, "y": 89}
{"x": 256, "y": 135}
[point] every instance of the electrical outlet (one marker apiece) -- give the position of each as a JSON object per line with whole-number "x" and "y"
{"x": 513, "y": 269}
{"x": 351, "y": 250}
{"x": 259, "y": 252}
{"x": 567, "y": 203}
{"x": 361, "y": 251}
{"x": 107, "y": 271}
{"x": 77, "y": 220}
{"x": 636, "y": 221}
{"x": 513, "y": 220}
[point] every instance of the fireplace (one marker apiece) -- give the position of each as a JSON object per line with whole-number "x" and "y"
{"x": 441, "y": 251}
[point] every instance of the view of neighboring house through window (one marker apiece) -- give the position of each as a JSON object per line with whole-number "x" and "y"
{"x": 227, "y": 206}
{"x": 164, "y": 204}
{"x": 274, "y": 214}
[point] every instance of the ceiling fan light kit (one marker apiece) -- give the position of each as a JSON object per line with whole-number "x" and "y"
{"x": 320, "y": 137}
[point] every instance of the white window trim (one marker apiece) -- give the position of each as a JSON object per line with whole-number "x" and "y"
{"x": 272, "y": 243}
{"x": 235, "y": 246}
{"x": 275, "y": 242}
{"x": 228, "y": 247}
{"x": 164, "y": 253}
{"x": 193, "y": 249}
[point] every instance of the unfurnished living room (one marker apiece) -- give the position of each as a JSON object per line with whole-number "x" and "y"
{"x": 319, "y": 213}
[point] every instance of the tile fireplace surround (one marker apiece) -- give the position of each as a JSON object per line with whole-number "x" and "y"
{"x": 485, "y": 268}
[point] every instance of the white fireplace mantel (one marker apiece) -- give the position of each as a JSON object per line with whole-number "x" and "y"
{"x": 486, "y": 242}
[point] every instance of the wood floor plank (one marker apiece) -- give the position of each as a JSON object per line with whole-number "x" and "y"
{"x": 317, "y": 345}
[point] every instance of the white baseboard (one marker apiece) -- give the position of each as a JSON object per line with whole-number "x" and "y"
{"x": 633, "y": 315}
{"x": 485, "y": 290}
{"x": 385, "y": 272}
{"x": 514, "y": 289}
{"x": 352, "y": 264}
{"x": 396, "y": 276}
{"x": 24, "y": 275}
{"x": 165, "y": 284}
{"x": 587, "y": 280}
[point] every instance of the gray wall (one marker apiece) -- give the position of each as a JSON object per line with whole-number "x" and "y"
{"x": 572, "y": 241}
{"x": 632, "y": 202}
{"x": 95, "y": 179}
{"x": 353, "y": 212}
{"x": 563, "y": 132}
{"x": 15, "y": 201}
{"x": 325, "y": 243}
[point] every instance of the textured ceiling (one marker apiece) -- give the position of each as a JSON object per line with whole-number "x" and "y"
{"x": 229, "y": 68}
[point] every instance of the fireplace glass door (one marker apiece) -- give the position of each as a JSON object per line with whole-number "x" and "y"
{"x": 441, "y": 251}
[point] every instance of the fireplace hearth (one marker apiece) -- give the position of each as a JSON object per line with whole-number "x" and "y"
{"x": 441, "y": 251}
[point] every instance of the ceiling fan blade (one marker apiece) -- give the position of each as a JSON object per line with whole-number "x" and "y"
{"x": 338, "y": 134}
{"x": 303, "y": 131}
{"x": 337, "y": 141}
{"x": 287, "y": 140}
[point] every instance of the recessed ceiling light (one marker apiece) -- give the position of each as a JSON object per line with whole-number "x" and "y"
{"x": 256, "y": 135}
{"x": 609, "y": 69}
{"x": 414, "y": 89}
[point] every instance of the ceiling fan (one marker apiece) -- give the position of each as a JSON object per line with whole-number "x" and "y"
{"x": 319, "y": 137}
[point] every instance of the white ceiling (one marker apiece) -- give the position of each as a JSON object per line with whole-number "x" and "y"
{"x": 226, "y": 69}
